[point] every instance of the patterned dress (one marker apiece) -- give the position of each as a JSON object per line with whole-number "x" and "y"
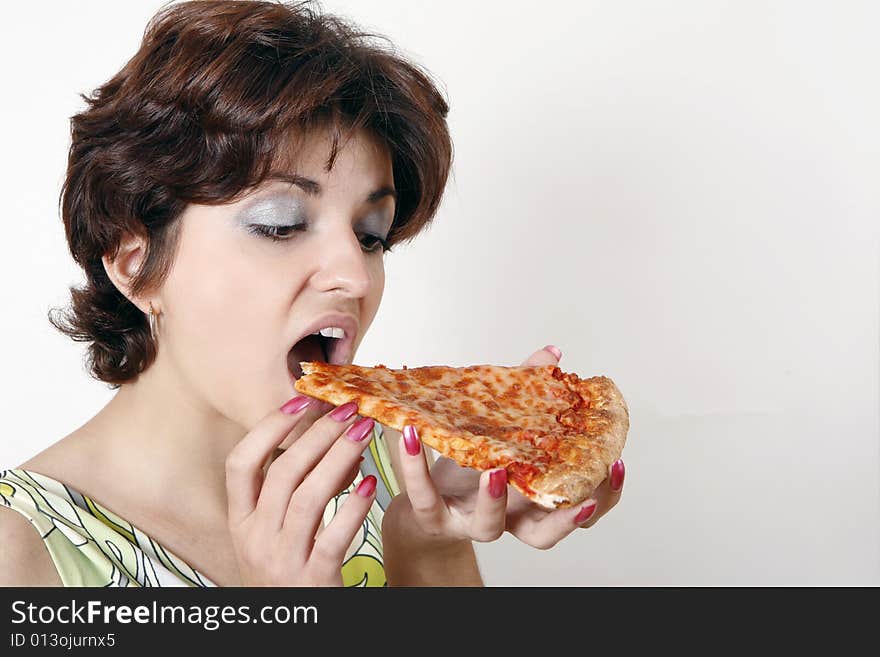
{"x": 92, "y": 546}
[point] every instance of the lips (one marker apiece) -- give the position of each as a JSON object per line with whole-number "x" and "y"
{"x": 308, "y": 347}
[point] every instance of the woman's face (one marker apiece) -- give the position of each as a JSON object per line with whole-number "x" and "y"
{"x": 236, "y": 301}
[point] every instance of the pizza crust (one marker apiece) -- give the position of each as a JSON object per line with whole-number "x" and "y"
{"x": 572, "y": 482}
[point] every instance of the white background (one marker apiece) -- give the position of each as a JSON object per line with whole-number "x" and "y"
{"x": 682, "y": 196}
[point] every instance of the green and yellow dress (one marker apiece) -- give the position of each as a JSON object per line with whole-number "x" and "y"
{"x": 92, "y": 546}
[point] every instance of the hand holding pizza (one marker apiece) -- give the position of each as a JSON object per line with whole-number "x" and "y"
{"x": 276, "y": 504}
{"x": 450, "y": 502}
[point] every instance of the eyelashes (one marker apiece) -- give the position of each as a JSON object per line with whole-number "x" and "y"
{"x": 369, "y": 243}
{"x": 274, "y": 233}
{"x": 375, "y": 243}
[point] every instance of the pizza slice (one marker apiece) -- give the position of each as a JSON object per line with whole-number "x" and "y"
{"x": 554, "y": 433}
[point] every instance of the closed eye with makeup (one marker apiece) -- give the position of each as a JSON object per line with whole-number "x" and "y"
{"x": 282, "y": 217}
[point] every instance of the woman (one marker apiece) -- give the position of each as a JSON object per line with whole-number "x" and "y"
{"x": 229, "y": 193}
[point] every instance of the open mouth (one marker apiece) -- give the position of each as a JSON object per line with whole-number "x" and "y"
{"x": 330, "y": 344}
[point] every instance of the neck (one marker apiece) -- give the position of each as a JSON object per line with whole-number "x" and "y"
{"x": 167, "y": 445}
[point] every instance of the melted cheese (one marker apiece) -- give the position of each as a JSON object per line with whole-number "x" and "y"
{"x": 544, "y": 426}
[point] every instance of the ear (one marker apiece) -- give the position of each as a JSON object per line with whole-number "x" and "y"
{"x": 122, "y": 267}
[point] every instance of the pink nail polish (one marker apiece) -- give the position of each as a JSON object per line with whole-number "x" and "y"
{"x": 497, "y": 483}
{"x": 554, "y": 350}
{"x": 296, "y": 404}
{"x": 360, "y": 429}
{"x": 366, "y": 487}
{"x": 585, "y": 513}
{"x": 617, "y": 474}
{"x": 410, "y": 440}
{"x": 344, "y": 412}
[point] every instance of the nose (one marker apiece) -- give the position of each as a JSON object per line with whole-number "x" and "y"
{"x": 342, "y": 265}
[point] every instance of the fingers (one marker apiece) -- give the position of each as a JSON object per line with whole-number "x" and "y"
{"x": 543, "y": 530}
{"x": 427, "y": 504}
{"x": 276, "y": 512}
{"x": 244, "y": 464}
{"x": 315, "y": 411}
{"x": 289, "y": 470}
{"x": 306, "y": 506}
{"x": 350, "y": 477}
{"x": 488, "y": 519}
{"x": 607, "y": 495}
{"x": 549, "y": 355}
{"x": 333, "y": 542}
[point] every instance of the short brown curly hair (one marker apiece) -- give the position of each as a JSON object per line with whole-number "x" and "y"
{"x": 197, "y": 116}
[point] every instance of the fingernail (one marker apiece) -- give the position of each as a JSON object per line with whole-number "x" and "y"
{"x": 585, "y": 513}
{"x": 410, "y": 440}
{"x": 497, "y": 482}
{"x": 296, "y": 404}
{"x": 617, "y": 473}
{"x": 360, "y": 429}
{"x": 554, "y": 350}
{"x": 345, "y": 411}
{"x": 367, "y": 486}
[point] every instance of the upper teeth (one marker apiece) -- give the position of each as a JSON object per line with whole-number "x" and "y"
{"x": 331, "y": 332}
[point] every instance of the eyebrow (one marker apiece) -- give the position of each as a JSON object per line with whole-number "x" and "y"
{"x": 313, "y": 188}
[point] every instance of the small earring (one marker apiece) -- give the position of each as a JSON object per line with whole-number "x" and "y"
{"x": 153, "y": 317}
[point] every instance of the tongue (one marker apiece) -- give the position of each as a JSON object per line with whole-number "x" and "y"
{"x": 307, "y": 349}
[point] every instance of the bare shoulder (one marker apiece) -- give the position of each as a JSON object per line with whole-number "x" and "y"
{"x": 25, "y": 560}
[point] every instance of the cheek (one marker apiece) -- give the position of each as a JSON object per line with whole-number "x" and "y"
{"x": 226, "y": 326}
{"x": 379, "y": 286}
{"x": 209, "y": 299}
{"x": 371, "y": 301}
